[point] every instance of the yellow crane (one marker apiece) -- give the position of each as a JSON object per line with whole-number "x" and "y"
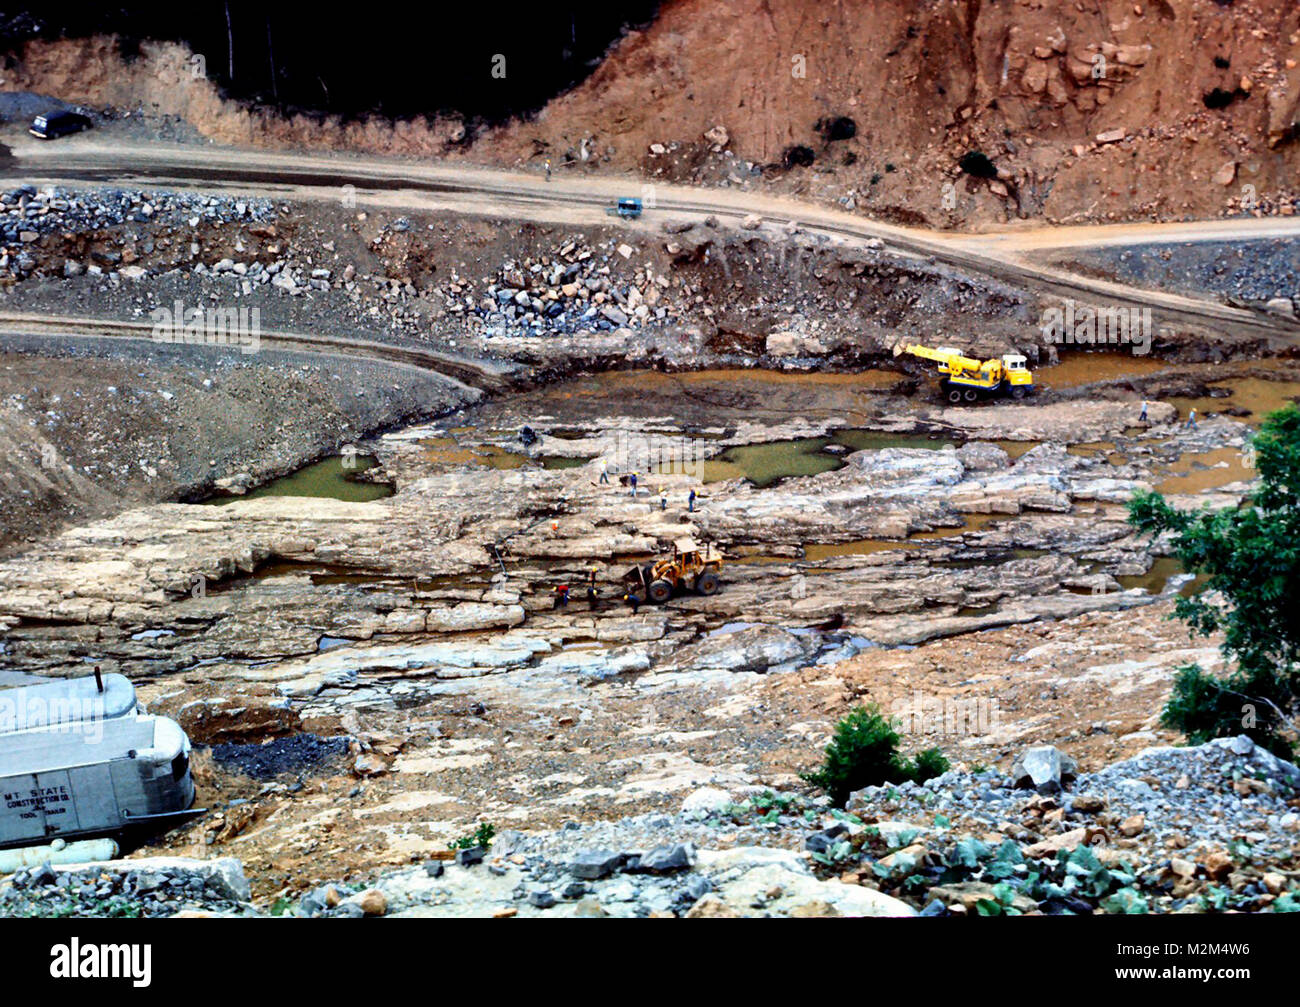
{"x": 967, "y": 379}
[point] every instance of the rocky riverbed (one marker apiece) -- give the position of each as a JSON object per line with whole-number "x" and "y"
{"x": 372, "y": 677}
{"x": 462, "y": 548}
{"x": 422, "y": 630}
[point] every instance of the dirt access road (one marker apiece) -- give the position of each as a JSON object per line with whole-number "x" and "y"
{"x": 461, "y": 372}
{"x": 406, "y": 186}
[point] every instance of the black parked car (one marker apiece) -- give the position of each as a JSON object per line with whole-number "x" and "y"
{"x": 52, "y": 125}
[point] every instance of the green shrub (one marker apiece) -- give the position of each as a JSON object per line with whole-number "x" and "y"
{"x": 1251, "y": 561}
{"x": 929, "y": 763}
{"x": 1204, "y": 707}
{"x": 482, "y": 836}
{"x": 864, "y": 753}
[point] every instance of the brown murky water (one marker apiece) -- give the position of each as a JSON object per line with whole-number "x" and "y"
{"x": 1092, "y": 448}
{"x": 447, "y": 451}
{"x": 697, "y": 400}
{"x": 1258, "y": 395}
{"x": 1154, "y": 580}
{"x": 870, "y": 379}
{"x": 756, "y": 382}
{"x": 1207, "y": 470}
{"x": 1015, "y": 449}
{"x": 815, "y": 552}
{"x": 1083, "y": 368}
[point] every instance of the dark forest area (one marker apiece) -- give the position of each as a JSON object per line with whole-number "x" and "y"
{"x": 484, "y": 61}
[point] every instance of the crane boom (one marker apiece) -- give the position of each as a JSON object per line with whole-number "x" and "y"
{"x": 942, "y": 354}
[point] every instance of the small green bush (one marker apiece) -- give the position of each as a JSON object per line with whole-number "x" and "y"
{"x": 1204, "y": 708}
{"x": 864, "y": 753}
{"x": 482, "y": 836}
{"x": 929, "y": 763}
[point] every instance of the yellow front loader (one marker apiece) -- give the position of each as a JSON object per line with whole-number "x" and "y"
{"x": 690, "y": 566}
{"x": 965, "y": 379}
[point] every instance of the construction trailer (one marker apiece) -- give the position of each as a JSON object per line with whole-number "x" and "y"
{"x": 52, "y": 702}
{"x": 79, "y": 758}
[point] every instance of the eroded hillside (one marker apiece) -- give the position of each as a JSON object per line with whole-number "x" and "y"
{"x": 1089, "y": 111}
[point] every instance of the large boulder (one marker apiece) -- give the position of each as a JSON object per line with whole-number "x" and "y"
{"x": 1043, "y": 767}
{"x": 663, "y": 859}
{"x": 592, "y": 865}
{"x": 780, "y": 883}
{"x": 705, "y": 801}
{"x": 794, "y": 344}
{"x": 235, "y": 485}
{"x": 755, "y": 648}
{"x": 982, "y": 456}
{"x": 820, "y": 842}
{"x": 910, "y": 471}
